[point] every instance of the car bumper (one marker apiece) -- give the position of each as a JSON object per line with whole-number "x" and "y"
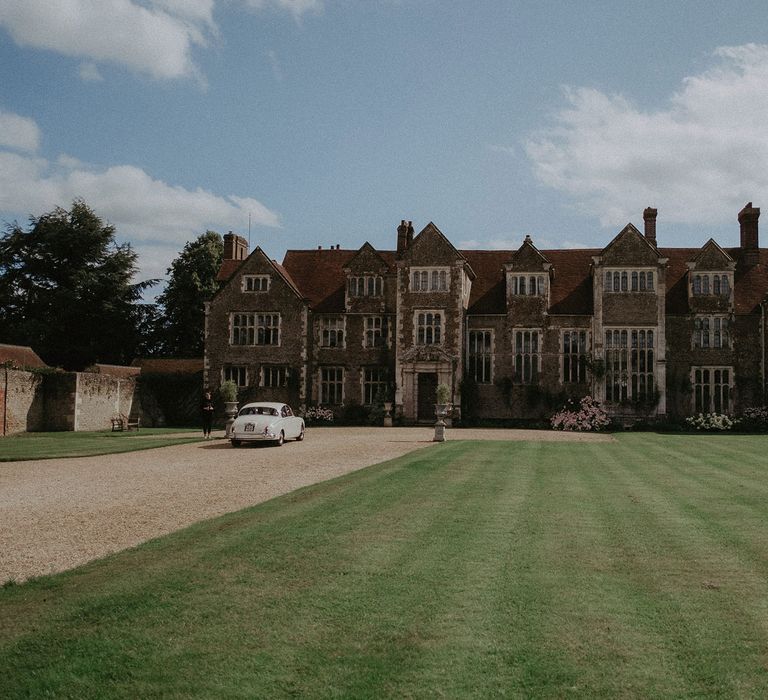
{"x": 253, "y": 437}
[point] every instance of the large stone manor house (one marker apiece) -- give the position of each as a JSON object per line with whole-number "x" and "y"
{"x": 648, "y": 330}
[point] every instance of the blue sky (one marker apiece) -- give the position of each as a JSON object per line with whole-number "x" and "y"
{"x": 328, "y": 121}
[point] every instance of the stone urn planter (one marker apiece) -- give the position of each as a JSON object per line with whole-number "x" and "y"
{"x": 442, "y": 409}
{"x": 387, "y": 414}
{"x": 228, "y": 393}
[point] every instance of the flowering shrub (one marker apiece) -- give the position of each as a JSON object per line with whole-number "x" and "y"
{"x": 711, "y": 421}
{"x": 755, "y": 419}
{"x": 318, "y": 413}
{"x": 588, "y": 415}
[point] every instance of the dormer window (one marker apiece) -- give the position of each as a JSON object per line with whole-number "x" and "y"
{"x": 430, "y": 280}
{"x": 528, "y": 285}
{"x": 255, "y": 283}
{"x": 365, "y": 286}
{"x": 629, "y": 281}
{"x": 710, "y": 284}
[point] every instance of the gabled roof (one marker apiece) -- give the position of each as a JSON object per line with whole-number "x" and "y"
{"x": 430, "y": 231}
{"x": 19, "y": 357}
{"x": 528, "y": 257}
{"x": 629, "y": 241}
{"x": 712, "y": 256}
{"x": 320, "y": 277}
{"x": 230, "y": 267}
{"x": 750, "y": 283}
{"x": 366, "y": 251}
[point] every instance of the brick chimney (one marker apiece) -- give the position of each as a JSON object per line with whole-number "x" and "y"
{"x": 649, "y": 217}
{"x": 409, "y": 234}
{"x": 402, "y": 237}
{"x": 235, "y": 247}
{"x": 750, "y": 250}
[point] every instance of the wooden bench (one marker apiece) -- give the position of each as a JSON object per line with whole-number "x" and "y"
{"x": 122, "y": 422}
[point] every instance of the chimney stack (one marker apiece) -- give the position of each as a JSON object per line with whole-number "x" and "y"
{"x": 235, "y": 247}
{"x": 402, "y": 237}
{"x": 750, "y": 250}
{"x": 649, "y": 216}
{"x": 409, "y": 234}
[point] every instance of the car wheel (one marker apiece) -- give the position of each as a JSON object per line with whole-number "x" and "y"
{"x": 235, "y": 443}
{"x": 301, "y": 434}
{"x": 280, "y": 439}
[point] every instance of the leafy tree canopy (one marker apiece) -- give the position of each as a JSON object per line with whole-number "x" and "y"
{"x": 67, "y": 289}
{"x": 191, "y": 283}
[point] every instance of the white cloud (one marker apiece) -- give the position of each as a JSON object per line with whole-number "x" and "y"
{"x": 697, "y": 160}
{"x": 157, "y": 39}
{"x": 160, "y": 216}
{"x": 89, "y": 72}
{"x": 18, "y": 132}
{"x": 296, "y": 7}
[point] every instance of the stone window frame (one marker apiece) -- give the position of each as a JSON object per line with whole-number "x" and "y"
{"x": 710, "y": 394}
{"x": 246, "y": 281}
{"x": 436, "y": 328}
{"x": 332, "y": 331}
{"x": 527, "y": 357}
{"x": 635, "y": 280}
{"x": 235, "y": 373}
{"x": 270, "y": 371}
{"x": 480, "y": 365}
{"x": 371, "y": 331}
{"x": 372, "y": 285}
{"x": 258, "y": 327}
{"x": 574, "y": 364}
{"x": 370, "y": 386}
{"x": 330, "y": 387}
{"x": 438, "y": 278}
{"x": 520, "y": 284}
{"x": 711, "y": 332}
{"x": 630, "y": 363}
{"x": 712, "y": 283}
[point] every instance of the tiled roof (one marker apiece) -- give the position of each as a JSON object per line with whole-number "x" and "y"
{"x": 20, "y": 356}
{"x": 750, "y": 284}
{"x": 227, "y": 269}
{"x": 169, "y": 365}
{"x": 318, "y": 275}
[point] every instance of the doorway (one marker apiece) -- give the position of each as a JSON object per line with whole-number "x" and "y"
{"x": 427, "y": 395}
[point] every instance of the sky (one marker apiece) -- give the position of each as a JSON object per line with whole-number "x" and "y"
{"x": 325, "y": 122}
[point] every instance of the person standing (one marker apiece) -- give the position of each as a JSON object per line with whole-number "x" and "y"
{"x": 207, "y": 411}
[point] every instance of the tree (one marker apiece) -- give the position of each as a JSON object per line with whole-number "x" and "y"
{"x": 67, "y": 289}
{"x": 191, "y": 283}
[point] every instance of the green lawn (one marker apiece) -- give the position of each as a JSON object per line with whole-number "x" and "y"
{"x": 633, "y": 569}
{"x": 69, "y": 444}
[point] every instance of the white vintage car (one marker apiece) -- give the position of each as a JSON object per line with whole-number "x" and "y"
{"x": 266, "y": 422}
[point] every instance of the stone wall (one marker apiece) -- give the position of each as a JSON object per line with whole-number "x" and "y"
{"x": 21, "y": 402}
{"x": 33, "y": 402}
{"x": 98, "y": 397}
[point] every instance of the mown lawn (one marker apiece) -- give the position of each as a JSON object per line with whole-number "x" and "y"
{"x": 85, "y": 444}
{"x": 632, "y": 569}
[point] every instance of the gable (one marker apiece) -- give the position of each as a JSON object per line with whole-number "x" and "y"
{"x": 257, "y": 263}
{"x": 712, "y": 257}
{"x": 367, "y": 259}
{"x": 528, "y": 258}
{"x": 431, "y": 247}
{"x": 630, "y": 247}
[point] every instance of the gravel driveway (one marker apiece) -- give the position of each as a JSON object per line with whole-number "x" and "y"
{"x": 57, "y": 514}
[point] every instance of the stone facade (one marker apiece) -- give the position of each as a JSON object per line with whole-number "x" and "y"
{"x": 649, "y": 331}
